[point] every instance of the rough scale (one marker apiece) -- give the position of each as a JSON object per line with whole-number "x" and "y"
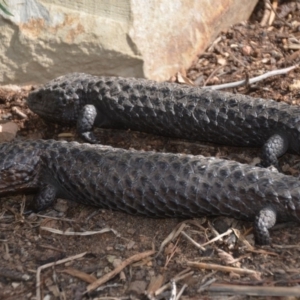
{"x": 170, "y": 109}
{"x": 148, "y": 183}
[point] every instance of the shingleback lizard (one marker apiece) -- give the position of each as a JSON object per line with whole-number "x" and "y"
{"x": 170, "y": 109}
{"x": 148, "y": 183}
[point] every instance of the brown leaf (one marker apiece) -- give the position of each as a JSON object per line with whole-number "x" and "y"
{"x": 81, "y": 275}
{"x": 182, "y": 79}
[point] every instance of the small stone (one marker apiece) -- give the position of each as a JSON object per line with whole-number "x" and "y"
{"x": 119, "y": 247}
{"x": 130, "y": 245}
{"x": 61, "y": 205}
{"x": 6, "y": 117}
{"x": 8, "y": 131}
{"x": 26, "y": 277}
{"x": 222, "y": 61}
{"x": 295, "y": 85}
{"x": 137, "y": 287}
{"x": 111, "y": 258}
{"x": 246, "y": 50}
{"x": 222, "y": 224}
{"x": 255, "y": 161}
{"x": 15, "y": 284}
{"x": 131, "y": 230}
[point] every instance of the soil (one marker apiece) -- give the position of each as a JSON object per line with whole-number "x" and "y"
{"x": 230, "y": 266}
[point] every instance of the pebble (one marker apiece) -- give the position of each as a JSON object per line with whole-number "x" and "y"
{"x": 8, "y": 131}
{"x": 137, "y": 287}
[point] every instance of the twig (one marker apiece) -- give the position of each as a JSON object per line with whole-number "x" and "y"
{"x": 177, "y": 278}
{"x": 212, "y": 74}
{"x": 221, "y": 268}
{"x": 113, "y": 285}
{"x": 64, "y": 135}
{"x": 273, "y": 12}
{"x": 51, "y": 248}
{"x": 267, "y": 12}
{"x": 286, "y": 246}
{"x": 255, "y": 290}
{"x": 18, "y": 112}
{"x": 214, "y": 43}
{"x": 169, "y": 257}
{"x": 39, "y": 269}
{"x": 72, "y": 233}
{"x": 229, "y": 231}
{"x": 192, "y": 241}
{"x": 79, "y": 274}
{"x": 242, "y": 237}
{"x": 54, "y": 218}
{"x": 181, "y": 291}
{"x": 251, "y": 80}
{"x": 113, "y": 298}
{"x": 205, "y": 277}
{"x": 55, "y": 288}
{"x": 13, "y": 274}
{"x": 173, "y": 290}
{"x": 174, "y": 234}
{"x": 118, "y": 269}
{"x": 235, "y": 58}
{"x": 293, "y": 46}
{"x": 205, "y": 285}
{"x": 273, "y": 8}
{"x": 154, "y": 285}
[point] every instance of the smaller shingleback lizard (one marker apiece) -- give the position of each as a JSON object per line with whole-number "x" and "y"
{"x": 149, "y": 183}
{"x": 170, "y": 109}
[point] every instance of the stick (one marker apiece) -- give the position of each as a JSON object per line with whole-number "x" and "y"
{"x": 38, "y": 272}
{"x": 251, "y": 80}
{"x": 118, "y": 269}
{"x": 255, "y": 290}
{"x": 221, "y": 268}
{"x": 72, "y": 233}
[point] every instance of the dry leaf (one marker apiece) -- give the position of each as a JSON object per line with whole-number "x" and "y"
{"x": 79, "y": 274}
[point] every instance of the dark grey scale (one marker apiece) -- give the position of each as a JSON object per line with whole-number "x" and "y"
{"x": 171, "y": 110}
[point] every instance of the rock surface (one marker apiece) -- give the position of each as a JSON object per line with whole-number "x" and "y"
{"x": 45, "y": 39}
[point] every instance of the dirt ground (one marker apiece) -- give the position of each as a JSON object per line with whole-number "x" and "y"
{"x": 57, "y": 254}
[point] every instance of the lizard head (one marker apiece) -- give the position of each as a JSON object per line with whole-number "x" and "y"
{"x": 54, "y": 105}
{"x": 19, "y": 167}
{"x": 60, "y": 99}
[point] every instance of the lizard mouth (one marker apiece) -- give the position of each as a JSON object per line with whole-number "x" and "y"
{"x": 10, "y": 188}
{"x": 47, "y": 114}
{"x": 50, "y": 108}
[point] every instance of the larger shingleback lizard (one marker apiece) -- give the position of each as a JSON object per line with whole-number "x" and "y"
{"x": 149, "y": 183}
{"x": 171, "y": 110}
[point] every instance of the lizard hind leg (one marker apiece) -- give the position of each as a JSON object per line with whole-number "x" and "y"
{"x": 275, "y": 146}
{"x": 85, "y": 122}
{"x": 265, "y": 219}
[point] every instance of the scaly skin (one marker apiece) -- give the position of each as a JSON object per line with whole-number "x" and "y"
{"x": 148, "y": 183}
{"x": 169, "y": 109}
